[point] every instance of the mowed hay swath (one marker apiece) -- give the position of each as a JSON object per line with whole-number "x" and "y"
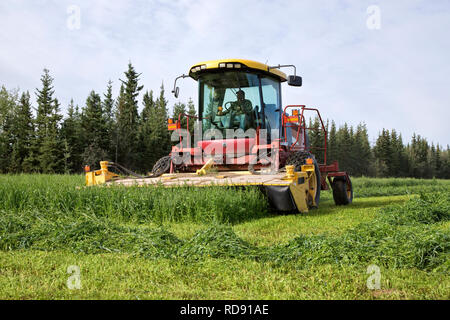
{"x": 86, "y": 220}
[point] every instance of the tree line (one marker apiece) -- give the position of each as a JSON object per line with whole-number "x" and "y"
{"x": 105, "y": 128}
{"x": 40, "y": 139}
{"x": 388, "y": 157}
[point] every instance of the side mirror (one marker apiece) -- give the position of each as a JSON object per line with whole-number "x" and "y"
{"x": 295, "y": 81}
{"x": 176, "y": 92}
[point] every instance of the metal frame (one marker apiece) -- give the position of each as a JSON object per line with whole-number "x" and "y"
{"x": 327, "y": 171}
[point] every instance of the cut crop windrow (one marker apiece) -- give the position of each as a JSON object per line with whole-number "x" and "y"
{"x": 48, "y": 218}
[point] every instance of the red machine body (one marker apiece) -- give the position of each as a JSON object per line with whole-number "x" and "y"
{"x": 238, "y": 153}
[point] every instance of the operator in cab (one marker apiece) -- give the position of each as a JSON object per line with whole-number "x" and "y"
{"x": 240, "y": 111}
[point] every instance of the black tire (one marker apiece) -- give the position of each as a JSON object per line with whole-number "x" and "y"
{"x": 342, "y": 191}
{"x": 297, "y": 159}
{"x": 162, "y": 166}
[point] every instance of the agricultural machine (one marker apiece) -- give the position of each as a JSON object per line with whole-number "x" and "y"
{"x": 245, "y": 137}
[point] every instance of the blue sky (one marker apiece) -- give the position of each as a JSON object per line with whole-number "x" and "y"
{"x": 392, "y": 77}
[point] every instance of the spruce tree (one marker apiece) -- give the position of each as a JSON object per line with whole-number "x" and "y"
{"x": 127, "y": 119}
{"x": 73, "y": 136}
{"x": 445, "y": 164}
{"x": 160, "y": 137}
{"x": 110, "y": 121}
{"x": 51, "y": 147}
{"x": 22, "y": 132}
{"x": 419, "y": 157}
{"x": 179, "y": 109}
{"x": 398, "y": 164}
{"x": 191, "y": 108}
{"x": 432, "y": 159}
{"x": 146, "y": 145}
{"x": 48, "y": 143}
{"x": 45, "y": 105}
{"x": 344, "y": 142}
{"x": 350, "y": 159}
{"x": 332, "y": 146}
{"x": 383, "y": 154}
{"x": 119, "y": 105}
{"x": 94, "y": 127}
{"x": 403, "y": 158}
{"x": 8, "y": 102}
{"x": 361, "y": 153}
{"x": 438, "y": 161}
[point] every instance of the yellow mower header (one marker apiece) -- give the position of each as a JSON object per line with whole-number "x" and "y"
{"x": 298, "y": 186}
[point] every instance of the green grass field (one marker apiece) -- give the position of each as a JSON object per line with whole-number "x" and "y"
{"x": 218, "y": 243}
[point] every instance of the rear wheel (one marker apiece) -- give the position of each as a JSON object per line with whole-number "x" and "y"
{"x": 297, "y": 159}
{"x": 162, "y": 166}
{"x": 342, "y": 191}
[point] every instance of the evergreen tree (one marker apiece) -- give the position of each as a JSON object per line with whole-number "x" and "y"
{"x": 127, "y": 119}
{"x": 191, "y": 108}
{"x": 95, "y": 131}
{"x": 45, "y": 105}
{"x": 383, "y": 154}
{"x": 48, "y": 143}
{"x": 119, "y": 105}
{"x": 146, "y": 145}
{"x": 93, "y": 121}
{"x": 31, "y": 162}
{"x": 394, "y": 164}
{"x": 351, "y": 159}
{"x": 432, "y": 157}
{"x": 344, "y": 143}
{"x": 8, "y": 102}
{"x": 437, "y": 162}
{"x": 332, "y": 147}
{"x": 51, "y": 147}
{"x": 160, "y": 137}
{"x": 419, "y": 158}
{"x": 444, "y": 172}
{"x": 22, "y": 133}
{"x": 73, "y": 136}
{"x": 402, "y": 156}
{"x": 180, "y": 109}
{"x": 110, "y": 121}
{"x": 361, "y": 153}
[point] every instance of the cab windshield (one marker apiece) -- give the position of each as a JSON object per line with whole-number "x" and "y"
{"x": 232, "y": 100}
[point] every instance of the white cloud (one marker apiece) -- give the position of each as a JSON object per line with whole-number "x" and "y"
{"x": 395, "y": 77}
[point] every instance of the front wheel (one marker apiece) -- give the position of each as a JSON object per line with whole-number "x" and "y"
{"x": 342, "y": 191}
